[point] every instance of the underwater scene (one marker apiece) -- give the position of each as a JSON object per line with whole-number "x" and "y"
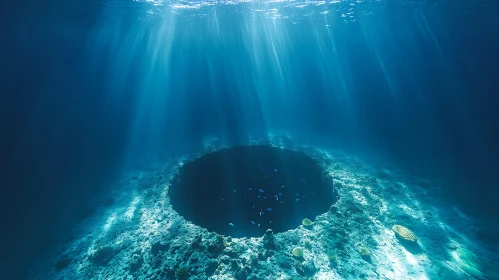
{"x": 249, "y": 139}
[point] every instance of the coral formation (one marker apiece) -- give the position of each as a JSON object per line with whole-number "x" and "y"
{"x": 182, "y": 271}
{"x": 333, "y": 209}
{"x": 364, "y": 252}
{"x": 333, "y": 258}
{"x": 297, "y": 252}
{"x": 195, "y": 256}
{"x": 307, "y": 222}
{"x": 404, "y": 233}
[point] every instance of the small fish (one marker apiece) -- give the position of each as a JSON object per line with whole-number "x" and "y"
{"x": 276, "y": 198}
{"x": 250, "y": 189}
{"x": 314, "y": 193}
{"x": 252, "y": 222}
{"x": 258, "y": 196}
{"x": 275, "y": 169}
{"x": 258, "y": 225}
{"x": 297, "y": 199}
{"x": 234, "y": 190}
{"x": 282, "y": 186}
{"x": 253, "y": 206}
{"x": 260, "y": 190}
{"x": 269, "y": 209}
{"x": 270, "y": 222}
{"x": 231, "y": 224}
{"x": 280, "y": 194}
{"x": 221, "y": 198}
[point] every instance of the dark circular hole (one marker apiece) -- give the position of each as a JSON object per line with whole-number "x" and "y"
{"x": 244, "y": 191}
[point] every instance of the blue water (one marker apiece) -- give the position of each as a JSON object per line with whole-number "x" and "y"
{"x": 92, "y": 88}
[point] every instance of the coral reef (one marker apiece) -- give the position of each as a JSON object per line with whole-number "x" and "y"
{"x": 142, "y": 237}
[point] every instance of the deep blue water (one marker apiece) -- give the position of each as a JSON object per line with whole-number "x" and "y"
{"x": 91, "y": 88}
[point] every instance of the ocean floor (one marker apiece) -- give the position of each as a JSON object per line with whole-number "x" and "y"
{"x": 138, "y": 234}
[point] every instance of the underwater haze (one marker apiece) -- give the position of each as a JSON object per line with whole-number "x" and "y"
{"x": 138, "y": 137}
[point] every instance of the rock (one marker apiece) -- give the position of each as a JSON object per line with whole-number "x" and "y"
{"x": 224, "y": 259}
{"x": 234, "y": 264}
{"x": 269, "y": 240}
{"x": 103, "y": 256}
{"x": 261, "y": 256}
{"x": 156, "y": 248}
{"x": 216, "y": 245}
{"x": 197, "y": 241}
{"x": 253, "y": 261}
{"x": 306, "y": 268}
{"x": 211, "y": 266}
{"x": 243, "y": 273}
{"x": 364, "y": 253}
{"x": 136, "y": 262}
